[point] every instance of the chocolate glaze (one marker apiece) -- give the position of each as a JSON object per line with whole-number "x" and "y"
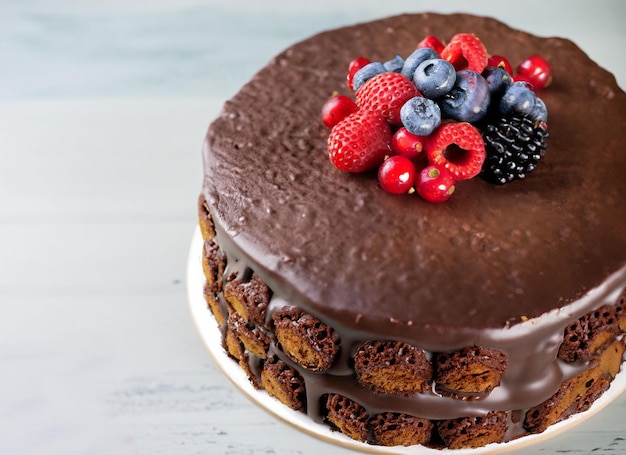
{"x": 500, "y": 266}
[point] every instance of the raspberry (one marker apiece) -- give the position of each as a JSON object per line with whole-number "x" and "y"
{"x": 359, "y": 142}
{"x": 458, "y": 147}
{"x": 466, "y": 51}
{"x": 386, "y": 93}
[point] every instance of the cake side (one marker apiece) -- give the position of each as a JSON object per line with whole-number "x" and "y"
{"x": 453, "y": 415}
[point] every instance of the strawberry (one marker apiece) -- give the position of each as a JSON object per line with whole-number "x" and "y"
{"x": 386, "y": 93}
{"x": 466, "y": 51}
{"x": 359, "y": 142}
{"x": 465, "y": 159}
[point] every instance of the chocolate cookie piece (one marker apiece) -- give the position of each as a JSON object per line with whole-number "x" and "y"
{"x": 305, "y": 339}
{"x": 620, "y": 311}
{"x": 578, "y": 392}
{"x": 284, "y": 383}
{"x": 392, "y": 367}
{"x": 213, "y": 265}
{"x": 249, "y": 298}
{"x": 216, "y": 303}
{"x": 594, "y": 391}
{"x": 472, "y": 432}
{"x": 394, "y": 429}
{"x": 346, "y": 415}
{"x": 473, "y": 370}
{"x": 235, "y": 349}
{"x": 205, "y": 222}
{"x": 584, "y": 338}
{"x": 254, "y": 340}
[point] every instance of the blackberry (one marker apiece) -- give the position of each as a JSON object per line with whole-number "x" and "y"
{"x": 514, "y": 146}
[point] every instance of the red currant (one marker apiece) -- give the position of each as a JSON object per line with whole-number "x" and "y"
{"x": 407, "y": 144}
{"x": 397, "y": 174}
{"x": 432, "y": 42}
{"x": 336, "y": 108}
{"x": 353, "y": 67}
{"x": 500, "y": 62}
{"x": 536, "y": 70}
{"x": 435, "y": 184}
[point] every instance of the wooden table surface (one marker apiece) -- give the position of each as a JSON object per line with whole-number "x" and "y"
{"x": 103, "y": 108}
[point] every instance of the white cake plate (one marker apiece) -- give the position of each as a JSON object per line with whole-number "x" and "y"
{"x": 207, "y": 327}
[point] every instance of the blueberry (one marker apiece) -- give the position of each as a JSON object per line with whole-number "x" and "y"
{"x": 498, "y": 80}
{"x": 367, "y": 72}
{"x": 395, "y": 64}
{"x": 418, "y": 56}
{"x": 518, "y": 99}
{"x": 434, "y": 78}
{"x": 469, "y": 98}
{"x": 420, "y": 116}
{"x": 539, "y": 113}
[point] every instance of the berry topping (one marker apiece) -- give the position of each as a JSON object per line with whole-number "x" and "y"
{"x": 353, "y": 67}
{"x": 407, "y": 144}
{"x": 450, "y": 109}
{"x": 413, "y": 61}
{"x": 336, "y": 108}
{"x": 466, "y": 51}
{"x": 386, "y": 93}
{"x": 469, "y": 98}
{"x": 395, "y": 64}
{"x": 536, "y": 70}
{"x": 421, "y": 116}
{"x": 434, "y": 78}
{"x": 498, "y": 80}
{"x": 514, "y": 146}
{"x": 435, "y": 183}
{"x": 518, "y": 99}
{"x": 431, "y": 42}
{"x": 359, "y": 142}
{"x": 366, "y": 73}
{"x": 498, "y": 61}
{"x": 458, "y": 147}
{"x": 539, "y": 114}
{"x": 397, "y": 174}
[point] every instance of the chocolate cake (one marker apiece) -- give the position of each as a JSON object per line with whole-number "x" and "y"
{"x": 398, "y": 321}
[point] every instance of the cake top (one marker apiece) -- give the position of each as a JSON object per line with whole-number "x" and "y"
{"x": 340, "y": 247}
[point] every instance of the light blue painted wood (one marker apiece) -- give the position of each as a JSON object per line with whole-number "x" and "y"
{"x": 196, "y": 49}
